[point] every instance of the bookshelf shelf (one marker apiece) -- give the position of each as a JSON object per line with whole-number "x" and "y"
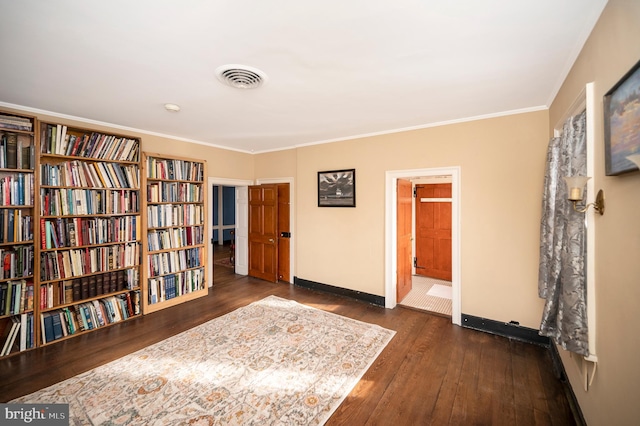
{"x": 79, "y": 332}
{"x": 18, "y": 166}
{"x": 15, "y": 243}
{"x": 89, "y": 299}
{"x": 175, "y": 253}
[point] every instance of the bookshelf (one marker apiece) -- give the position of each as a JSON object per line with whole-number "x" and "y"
{"x": 89, "y": 226}
{"x": 18, "y": 146}
{"x": 175, "y": 252}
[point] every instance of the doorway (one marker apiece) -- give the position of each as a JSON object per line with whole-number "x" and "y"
{"x": 241, "y": 266}
{"x": 240, "y": 232}
{"x": 430, "y": 232}
{"x": 391, "y": 236}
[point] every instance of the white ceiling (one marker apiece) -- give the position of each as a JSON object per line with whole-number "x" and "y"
{"x": 336, "y": 68}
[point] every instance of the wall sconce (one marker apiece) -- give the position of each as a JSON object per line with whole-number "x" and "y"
{"x": 636, "y": 159}
{"x": 575, "y": 184}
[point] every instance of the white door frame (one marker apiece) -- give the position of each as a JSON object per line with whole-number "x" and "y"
{"x": 292, "y": 216}
{"x": 223, "y": 182}
{"x": 391, "y": 220}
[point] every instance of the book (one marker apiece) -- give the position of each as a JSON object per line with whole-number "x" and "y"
{"x": 11, "y": 338}
{"x": 47, "y": 327}
{"x": 77, "y": 290}
{"x": 12, "y": 150}
{"x": 57, "y": 325}
{"x": 3, "y": 298}
{"x": 92, "y": 286}
{"x": 68, "y": 291}
{"x": 84, "y": 288}
{"x": 113, "y": 282}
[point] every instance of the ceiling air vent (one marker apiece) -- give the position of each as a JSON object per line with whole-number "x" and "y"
{"x": 241, "y": 76}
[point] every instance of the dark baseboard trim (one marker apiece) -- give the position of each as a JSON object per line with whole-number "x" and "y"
{"x": 505, "y": 329}
{"x": 561, "y": 374}
{"x": 326, "y": 288}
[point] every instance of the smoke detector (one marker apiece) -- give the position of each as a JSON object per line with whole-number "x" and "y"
{"x": 241, "y": 76}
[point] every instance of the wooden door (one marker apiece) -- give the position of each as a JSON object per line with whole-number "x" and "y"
{"x": 284, "y": 232}
{"x": 263, "y": 228}
{"x": 433, "y": 230}
{"x": 404, "y": 210}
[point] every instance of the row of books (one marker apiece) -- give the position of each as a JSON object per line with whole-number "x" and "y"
{"x": 15, "y": 123}
{"x": 20, "y": 331}
{"x": 166, "y": 215}
{"x": 173, "y": 192}
{"x": 78, "y": 232}
{"x": 65, "y": 202}
{"x": 90, "y": 174}
{"x": 78, "y": 289}
{"x": 174, "y": 285}
{"x": 55, "y": 265}
{"x": 88, "y": 316}
{"x": 16, "y": 297}
{"x": 16, "y": 151}
{"x": 58, "y": 139}
{"x": 16, "y": 189}
{"x": 175, "y": 169}
{"x": 174, "y": 261}
{"x": 175, "y": 237}
{"x": 15, "y": 227}
{"x": 17, "y": 262}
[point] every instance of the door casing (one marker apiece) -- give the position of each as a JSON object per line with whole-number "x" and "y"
{"x": 391, "y": 178}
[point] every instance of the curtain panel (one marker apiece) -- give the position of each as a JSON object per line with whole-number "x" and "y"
{"x": 562, "y": 271}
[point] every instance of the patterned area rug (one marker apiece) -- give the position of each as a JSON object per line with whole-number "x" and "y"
{"x": 273, "y": 362}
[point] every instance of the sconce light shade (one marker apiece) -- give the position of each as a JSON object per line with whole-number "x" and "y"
{"x": 635, "y": 158}
{"x": 575, "y": 185}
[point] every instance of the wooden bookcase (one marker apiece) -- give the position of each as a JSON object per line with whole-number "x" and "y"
{"x": 89, "y": 227}
{"x": 175, "y": 209}
{"x": 18, "y": 169}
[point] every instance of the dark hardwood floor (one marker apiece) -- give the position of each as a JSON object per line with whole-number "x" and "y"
{"x": 431, "y": 373}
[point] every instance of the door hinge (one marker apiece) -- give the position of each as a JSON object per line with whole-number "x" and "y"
{"x": 415, "y": 262}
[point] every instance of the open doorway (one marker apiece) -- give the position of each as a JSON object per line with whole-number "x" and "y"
{"x": 241, "y": 266}
{"x": 241, "y": 223}
{"x": 429, "y": 216}
{"x": 224, "y": 225}
{"x": 391, "y": 233}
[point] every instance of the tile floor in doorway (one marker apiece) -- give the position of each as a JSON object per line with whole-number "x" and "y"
{"x": 429, "y": 294}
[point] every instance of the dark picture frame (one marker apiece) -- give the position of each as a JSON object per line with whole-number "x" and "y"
{"x": 622, "y": 123}
{"x": 337, "y": 188}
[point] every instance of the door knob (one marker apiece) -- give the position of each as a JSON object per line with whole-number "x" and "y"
{"x": 271, "y": 240}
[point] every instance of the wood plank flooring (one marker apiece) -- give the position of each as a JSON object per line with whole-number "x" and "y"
{"x": 431, "y": 373}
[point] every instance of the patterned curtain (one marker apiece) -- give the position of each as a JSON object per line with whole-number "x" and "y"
{"x": 561, "y": 276}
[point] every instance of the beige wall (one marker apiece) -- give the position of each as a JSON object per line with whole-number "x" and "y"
{"x": 502, "y": 167}
{"x": 612, "y": 49}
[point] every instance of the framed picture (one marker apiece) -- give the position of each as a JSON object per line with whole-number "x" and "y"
{"x": 622, "y": 123}
{"x": 337, "y": 188}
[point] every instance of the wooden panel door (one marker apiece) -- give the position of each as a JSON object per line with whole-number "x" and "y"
{"x": 263, "y": 228}
{"x": 284, "y": 232}
{"x": 404, "y": 210}
{"x": 433, "y": 230}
